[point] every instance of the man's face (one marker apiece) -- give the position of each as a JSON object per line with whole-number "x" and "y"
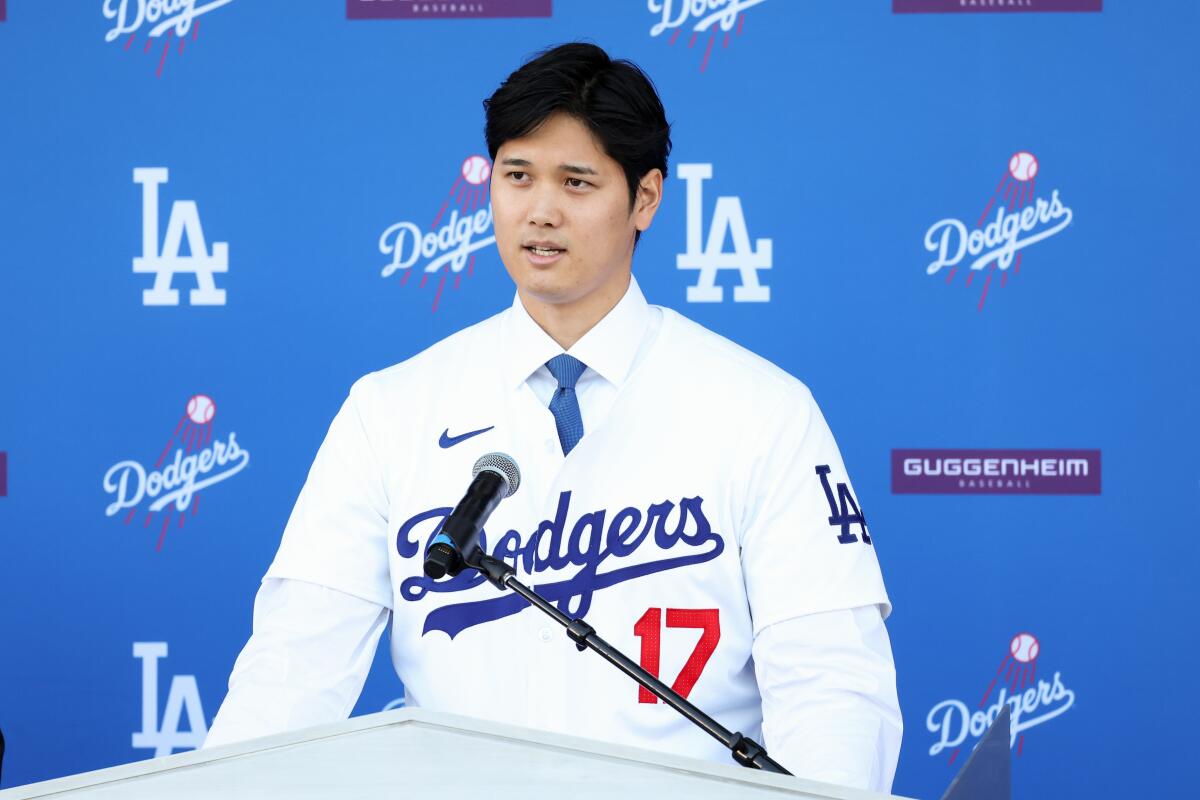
{"x": 563, "y": 224}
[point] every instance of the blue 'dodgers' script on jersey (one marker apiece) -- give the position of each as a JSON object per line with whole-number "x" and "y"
{"x": 587, "y": 546}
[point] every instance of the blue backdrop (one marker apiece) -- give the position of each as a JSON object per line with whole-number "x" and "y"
{"x": 841, "y": 137}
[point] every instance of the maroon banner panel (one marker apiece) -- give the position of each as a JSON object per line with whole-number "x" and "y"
{"x": 3, "y": 456}
{"x": 968, "y": 6}
{"x": 445, "y": 9}
{"x": 2, "y": 10}
{"x": 995, "y": 472}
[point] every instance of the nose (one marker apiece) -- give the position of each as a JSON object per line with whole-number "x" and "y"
{"x": 544, "y": 208}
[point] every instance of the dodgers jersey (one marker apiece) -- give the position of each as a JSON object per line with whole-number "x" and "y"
{"x": 708, "y": 503}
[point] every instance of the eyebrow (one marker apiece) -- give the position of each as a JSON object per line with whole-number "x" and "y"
{"x": 577, "y": 169}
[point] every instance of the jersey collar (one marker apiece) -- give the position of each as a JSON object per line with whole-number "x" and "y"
{"x": 608, "y": 348}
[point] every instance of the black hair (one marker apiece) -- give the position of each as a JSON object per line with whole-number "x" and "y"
{"x": 613, "y": 98}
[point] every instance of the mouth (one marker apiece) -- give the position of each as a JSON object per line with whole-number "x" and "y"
{"x": 543, "y": 254}
{"x": 539, "y": 250}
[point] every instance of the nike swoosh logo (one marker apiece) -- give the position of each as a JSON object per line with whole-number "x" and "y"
{"x": 449, "y": 441}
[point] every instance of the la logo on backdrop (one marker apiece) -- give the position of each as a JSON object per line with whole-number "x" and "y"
{"x": 461, "y": 226}
{"x": 1014, "y": 218}
{"x": 191, "y": 461}
{"x": 707, "y": 254}
{"x": 183, "y": 697}
{"x": 166, "y": 262}
{"x": 170, "y": 23}
{"x": 1032, "y": 701}
{"x": 705, "y": 21}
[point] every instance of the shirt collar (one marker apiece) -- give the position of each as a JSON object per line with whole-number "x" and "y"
{"x": 608, "y": 348}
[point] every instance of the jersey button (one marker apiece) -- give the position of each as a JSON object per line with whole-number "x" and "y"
{"x": 544, "y": 634}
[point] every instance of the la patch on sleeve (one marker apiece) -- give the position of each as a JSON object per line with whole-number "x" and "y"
{"x": 843, "y": 509}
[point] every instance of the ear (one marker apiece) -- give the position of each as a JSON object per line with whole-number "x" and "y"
{"x": 649, "y": 196}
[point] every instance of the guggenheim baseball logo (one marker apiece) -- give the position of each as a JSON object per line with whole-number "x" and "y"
{"x": 707, "y": 254}
{"x": 166, "y": 262}
{"x": 167, "y": 24}
{"x": 449, "y": 246}
{"x": 707, "y": 21}
{"x": 995, "y": 472}
{"x": 1032, "y": 701}
{"x": 445, "y": 9}
{"x": 191, "y": 461}
{"x": 968, "y": 6}
{"x": 1014, "y": 218}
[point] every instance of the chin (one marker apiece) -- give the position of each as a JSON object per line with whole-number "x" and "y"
{"x": 550, "y": 291}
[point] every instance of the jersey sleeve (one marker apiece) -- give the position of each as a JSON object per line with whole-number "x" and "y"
{"x": 305, "y": 663}
{"x": 828, "y": 687}
{"x": 338, "y": 531}
{"x": 805, "y": 544}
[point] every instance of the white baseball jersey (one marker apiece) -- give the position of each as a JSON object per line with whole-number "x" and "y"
{"x": 707, "y": 504}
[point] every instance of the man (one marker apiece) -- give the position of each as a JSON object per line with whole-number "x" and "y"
{"x": 683, "y": 494}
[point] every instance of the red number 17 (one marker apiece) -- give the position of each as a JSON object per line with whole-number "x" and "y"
{"x": 649, "y": 630}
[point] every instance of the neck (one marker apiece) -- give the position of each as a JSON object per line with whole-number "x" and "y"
{"x": 567, "y": 323}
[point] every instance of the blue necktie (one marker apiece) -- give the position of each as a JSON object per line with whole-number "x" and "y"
{"x": 565, "y": 405}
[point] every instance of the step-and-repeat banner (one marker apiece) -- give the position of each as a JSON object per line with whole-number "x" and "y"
{"x": 963, "y": 223}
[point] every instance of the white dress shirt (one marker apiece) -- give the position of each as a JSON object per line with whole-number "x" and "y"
{"x": 810, "y": 661}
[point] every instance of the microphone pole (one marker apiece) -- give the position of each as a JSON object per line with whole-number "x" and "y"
{"x": 456, "y": 547}
{"x": 745, "y": 750}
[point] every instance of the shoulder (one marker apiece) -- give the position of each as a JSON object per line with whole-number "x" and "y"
{"x": 449, "y": 360}
{"x": 707, "y": 358}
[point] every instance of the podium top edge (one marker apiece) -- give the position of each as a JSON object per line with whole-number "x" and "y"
{"x": 725, "y": 773}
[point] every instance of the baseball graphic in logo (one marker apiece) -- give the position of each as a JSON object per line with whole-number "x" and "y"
{"x": 476, "y": 170}
{"x": 1024, "y": 647}
{"x": 1023, "y": 166}
{"x": 201, "y": 409}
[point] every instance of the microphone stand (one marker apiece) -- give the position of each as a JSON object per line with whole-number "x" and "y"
{"x": 746, "y": 751}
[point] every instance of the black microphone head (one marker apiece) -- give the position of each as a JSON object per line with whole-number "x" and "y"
{"x": 442, "y": 560}
{"x": 503, "y": 466}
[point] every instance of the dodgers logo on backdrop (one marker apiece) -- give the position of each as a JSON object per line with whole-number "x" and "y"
{"x": 1032, "y": 701}
{"x": 445, "y": 9}
{"x": 707, "y": 254}
{"x": 596, "y": 538}
{"x": 163, "y": 21}
{"x": 995, "y": 471}
{"x": 168, "y": 262}
{"x": 194, "y": 460}
{"x": 710, "y": 19}
{"x": 182, "y": 698}
{"x": 448, "y": 246}
{"x": 1021, "y": 218}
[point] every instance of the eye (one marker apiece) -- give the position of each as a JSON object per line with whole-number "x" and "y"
{"x": 577, "y": 183}
{"x": 517, "y": 175}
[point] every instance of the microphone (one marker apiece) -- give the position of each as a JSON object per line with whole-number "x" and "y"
{"x": 495, "y": 477}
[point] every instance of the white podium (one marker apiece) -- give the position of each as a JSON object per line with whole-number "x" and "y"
{"x": 413, "y": 753}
